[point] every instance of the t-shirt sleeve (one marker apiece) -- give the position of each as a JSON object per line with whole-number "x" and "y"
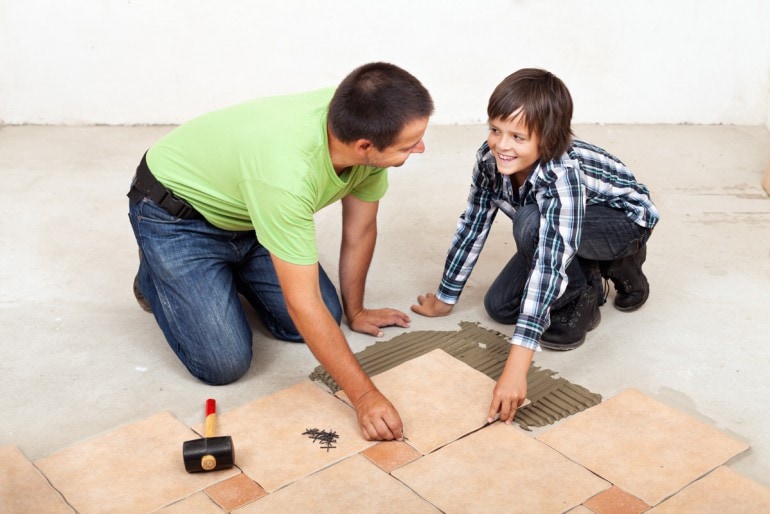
{"x": 372, "y": 188}
{"x": 282, "y": 221}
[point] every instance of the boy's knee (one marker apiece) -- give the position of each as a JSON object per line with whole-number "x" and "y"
{"x": 500, "y": 310}
{"x": 492, "y": 306}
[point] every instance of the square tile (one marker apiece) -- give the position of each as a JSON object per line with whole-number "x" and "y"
{"x": 353, "y": 485}
{"x": 616, "y": 501}
{"x": 499, "y": 469}
{"x": 390, "y": 455}
{"x": 644, "y": 447}
{"x": 722, "y": 490}
{"x": 270, "y": 446}
{"x": 135, "y": 468}
{"x": 235, "y": 492}
{"x": 198, "y": 503}
{"x": 439, "y": 398}
{"x": 24, "y": 489}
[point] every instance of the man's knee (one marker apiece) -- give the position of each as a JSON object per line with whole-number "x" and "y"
{"x": 222, "y": 371}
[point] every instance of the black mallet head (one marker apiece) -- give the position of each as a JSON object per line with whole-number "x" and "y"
{"x": 208, "y": 453}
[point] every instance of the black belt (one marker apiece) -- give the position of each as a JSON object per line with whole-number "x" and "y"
{"x": 146, "y": 185}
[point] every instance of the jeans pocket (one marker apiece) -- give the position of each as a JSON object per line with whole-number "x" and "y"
{"x": 149, "y": 211}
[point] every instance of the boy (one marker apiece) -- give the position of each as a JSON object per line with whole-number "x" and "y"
{"x": 578, "y": 214}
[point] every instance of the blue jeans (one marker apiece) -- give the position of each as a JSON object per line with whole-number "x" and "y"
{"x": 192, "y": 273}
{"x": 607, "y": 235}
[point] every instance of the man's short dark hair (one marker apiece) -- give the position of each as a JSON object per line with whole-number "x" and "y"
{"x": 375, "y": 102}
{"x": 544, "y": 103}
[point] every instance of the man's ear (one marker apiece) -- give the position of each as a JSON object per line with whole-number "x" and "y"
{"x": 362, "y": 146}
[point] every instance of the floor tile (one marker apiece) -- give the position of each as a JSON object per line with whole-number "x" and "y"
{"x": 135, "y": 468}
{"x": 390, "y": 455}
{"x": 616, "y": 501}
{"x": 24, "y": 489}
{"x": 580, "y": 509}
{"x": 268, "y": 434}
{"x": 439, "y": 398}
{"x": 198, "y": 503}
{"x": 722, "y": 490}
{"x": 235, "y": 492}
{"x": 353, "y": 485}
{"x": 499, "y": 469}
{"x": 644, "y": 447}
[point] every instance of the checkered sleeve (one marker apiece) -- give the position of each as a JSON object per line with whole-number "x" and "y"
{"x": 472, "y": 228}
{"x": 560, "y": 196}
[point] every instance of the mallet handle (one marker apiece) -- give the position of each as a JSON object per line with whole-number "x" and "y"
{"x": 211, "y": 417}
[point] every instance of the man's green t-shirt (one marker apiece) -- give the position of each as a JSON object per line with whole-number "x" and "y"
{"x": 262, "y": 165}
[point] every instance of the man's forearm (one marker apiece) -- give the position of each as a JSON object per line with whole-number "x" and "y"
{"x": 355, "y": 258}
{"x": 327, "y": 343}
{"x": 359, "y": 236}
{"x": 319, "y": 329}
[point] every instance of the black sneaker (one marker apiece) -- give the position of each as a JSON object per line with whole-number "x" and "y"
{"x": 630, "y": 296}
{"x": 570, "y": 323}
{"x": 143, "y": 302}
{"x": 629, "y": 281}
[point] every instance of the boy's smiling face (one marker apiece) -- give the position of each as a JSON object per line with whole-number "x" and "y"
{"x": 515, "y": 148}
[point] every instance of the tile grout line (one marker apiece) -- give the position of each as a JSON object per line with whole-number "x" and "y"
{"x": 58, "y": 491}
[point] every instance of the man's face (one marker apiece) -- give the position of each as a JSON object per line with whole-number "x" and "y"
{"x": 514, "y": 147}
{"x": 409, "y": 141}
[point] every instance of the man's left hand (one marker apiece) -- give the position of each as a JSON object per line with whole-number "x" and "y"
{"x": 371, "y": 321}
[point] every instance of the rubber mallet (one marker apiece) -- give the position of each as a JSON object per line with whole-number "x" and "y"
{"x": 209, "y": 453}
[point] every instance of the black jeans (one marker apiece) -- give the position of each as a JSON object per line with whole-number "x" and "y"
{"x": 607, "y": 234}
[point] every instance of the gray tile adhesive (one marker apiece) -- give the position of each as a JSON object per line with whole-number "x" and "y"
{"x": 486, "y": 351}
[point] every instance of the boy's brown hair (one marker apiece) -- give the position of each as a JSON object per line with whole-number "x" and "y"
{"x": 544, "y": 103}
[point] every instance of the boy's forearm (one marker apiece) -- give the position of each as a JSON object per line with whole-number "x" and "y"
{"x": 519, "y": 359}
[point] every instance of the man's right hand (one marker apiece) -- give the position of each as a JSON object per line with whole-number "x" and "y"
{"x": 378, "y": 419}
{"x": 431, "y": 306}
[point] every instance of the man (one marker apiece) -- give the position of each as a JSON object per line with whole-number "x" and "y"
{"x": 224, "y": 205}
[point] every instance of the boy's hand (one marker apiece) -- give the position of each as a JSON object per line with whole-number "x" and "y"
{"x": 431, "y": 306}
{"x": 509, "y": 392}
{"x": 511, "y": 388}
{"x": 370, "y": 321}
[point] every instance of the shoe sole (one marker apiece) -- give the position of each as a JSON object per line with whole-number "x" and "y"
{"x": 562, "y": 347}
{"x": 634, "y": 307}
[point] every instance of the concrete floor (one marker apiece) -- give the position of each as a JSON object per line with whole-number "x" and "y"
{"x": 78, "y": 357}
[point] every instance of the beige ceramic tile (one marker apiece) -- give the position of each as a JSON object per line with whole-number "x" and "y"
{"x": 268, "y": 434}
{"x": 235, "y": 492}
{"x": 616, "y": 501}
{"x": 390, "y": 455}
{"x": 135, "y": 468}
{"x": 198, "y": 503}
{"x": 580, "y": 509}
{"x": 24, "y": 489}
{"x": 499, "y": 469}
{"x": 353, "y": 485}
{"x": 439, "y": 398}
{"x": 644, "y": 447}
{"x": 720, "y": 491}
